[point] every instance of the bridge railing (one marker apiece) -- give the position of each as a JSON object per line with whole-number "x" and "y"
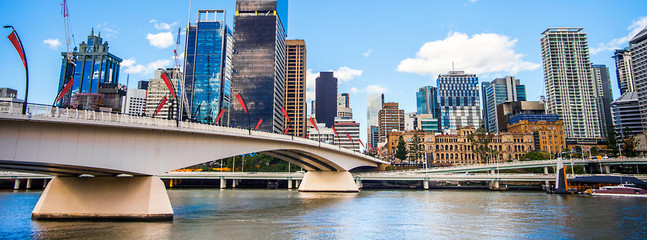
{"x": 48, "y": 111}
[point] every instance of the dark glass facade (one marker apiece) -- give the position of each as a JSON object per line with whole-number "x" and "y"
{"x": 94, "y": 65}
{"x": 208, "y": 67}
{"x": 326, "y": 98}
{"x": 259, "y": 64}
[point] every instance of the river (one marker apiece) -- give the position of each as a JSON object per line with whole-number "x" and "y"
{"x": 369, "y": 214}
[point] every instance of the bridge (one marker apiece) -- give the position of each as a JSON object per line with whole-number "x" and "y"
{"x": 95, "y": 153}
{"x": 604, "y": 165}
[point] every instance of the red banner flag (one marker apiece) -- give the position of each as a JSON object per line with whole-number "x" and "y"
{"x": 286, "y": 130}
{"x": 351, "y": 140}
{"x": 168, "y": 84}
{"x": 378, "y": 149}
{"x": 219, "y": 115}
{"x": 285, "y": 114}
{"x": 360, "y": 142}
{"x": 67, "y": 87}
{"x": 159, "y": 107}
{"x": 258, "y": 124}
{"x": 369, "y": 145}
{"x": 240, "y": 100}
{"x": 335, "y": 131}
{"x": 308, "y": 136}
{"x": 16, "y": 44}
{"x": 313, "y": 124}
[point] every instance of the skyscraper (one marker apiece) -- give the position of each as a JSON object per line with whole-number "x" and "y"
{"x": 326, "y": 98}
{"x": 135, "y": 102}
{"x": 259, "y": 63}
{"x": 638, "y": 46}
{"x": 458, "y": 95}
{"x": 208, "y": 67}
{"x": 344, "y": 127}
{"x": 427, "y": 101}
{"x": 157, "y": 90}
{"x": 570, "y": 88}
{"x": 343, "y": 106}
{"x": 94, "y": 65}
{"x": 624, "y": 71}
{"x": 295, "y": 87}
{"x": 374, "y": 104}
{"x": 604, "y": 96}
{"x": 391, "y": 118}
{"x": 496, "y": 92}
{"x": 626, "y": 116}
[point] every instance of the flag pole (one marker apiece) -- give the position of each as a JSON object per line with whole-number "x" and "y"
{"x": 24, "y": 58}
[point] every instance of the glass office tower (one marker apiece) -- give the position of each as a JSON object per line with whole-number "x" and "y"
{"x": 94, "y": 65}
{"x": 458, "y": 95}
{"x": 498, "y": 91}
{"x": 259, "y": 63}
{"x": 208, "y": 67}
{"x": 427, "y": 101}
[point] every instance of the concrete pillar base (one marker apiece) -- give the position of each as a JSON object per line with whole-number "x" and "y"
{"x": 328, "y": 181}
{"x": 223, "y": 183}
{"x": 28, "y": 183}
{"x": 298, "y": 182}
{"x": 425, "y": 184}
{"x": 16, "y": 184}
{"x": 135, "y": 198}
{"x": 289, "y": 183}
{"x": 44, "y": 183}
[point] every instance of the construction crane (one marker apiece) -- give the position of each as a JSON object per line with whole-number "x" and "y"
{"x": 64, "y": 95}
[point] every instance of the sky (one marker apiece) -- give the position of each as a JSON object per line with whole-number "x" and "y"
{"x": 390, "y": 47}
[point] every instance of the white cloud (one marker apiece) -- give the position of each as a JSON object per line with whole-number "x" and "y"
{"x": 481, "y": 53}
{"x": 52, "y": 43}
{"x": 311, "y": 78}
{"x": 345, "y": 74}
{"x": 374, "y": 89}
{"x": 131, "y": 67}
{"x": 618, "y": 43}
{"x": 108, "y": 29}
{"x": 368, "y": 53}
{"x": 354, "y": 90}
{"x": 160, "y": 40}
{"x": 310, "y": 95}
{"x": 162, "y": 25}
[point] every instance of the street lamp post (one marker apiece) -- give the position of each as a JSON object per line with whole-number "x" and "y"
{"x": 15, "y": 40}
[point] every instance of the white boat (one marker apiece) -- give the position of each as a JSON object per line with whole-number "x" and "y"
{"x": 624, "y": 190}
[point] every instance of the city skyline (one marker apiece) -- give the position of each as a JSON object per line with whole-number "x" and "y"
{"x": 366, "y": 64}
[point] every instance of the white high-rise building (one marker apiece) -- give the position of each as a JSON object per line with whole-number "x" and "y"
{"x": 638, "y": 46}
{"x": 570, "y": 88}
{"x": 135, "y": 102}
{"x": 374, "y": 104}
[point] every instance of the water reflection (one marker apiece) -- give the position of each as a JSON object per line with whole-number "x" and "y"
{"x": 284, "y": 214}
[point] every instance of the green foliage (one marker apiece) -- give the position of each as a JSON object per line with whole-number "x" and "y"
{"x": 480, "y": 141}
{"x": 416, "y": 148}
{"x": 611, "y": 140}
{"x": 530, "y": 156}
{"x": 401, "y": 150}
{"x": 629, "y": 146}
{"x": 256, "y": 162}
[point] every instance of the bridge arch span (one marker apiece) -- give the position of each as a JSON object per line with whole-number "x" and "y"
{"x": 60, "y": 147}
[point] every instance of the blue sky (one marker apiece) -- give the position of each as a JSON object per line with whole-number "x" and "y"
{"x": 393, "y": 47}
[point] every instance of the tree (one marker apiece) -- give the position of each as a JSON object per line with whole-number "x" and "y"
{"x": 530, "y": 156}
{"x": 611, "y": 140}
{"x": 480, "y": 141}
{"x": 416, "y": 148}
{"x": 401, "y": 150}
{"x": 629, "y": 146}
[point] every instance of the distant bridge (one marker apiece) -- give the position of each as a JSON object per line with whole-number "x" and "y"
{"x": 533, "y": 164}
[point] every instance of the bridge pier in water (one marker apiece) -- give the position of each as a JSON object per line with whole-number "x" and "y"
{"x": 139, "y": 198}
{"x": 328, "y": 181}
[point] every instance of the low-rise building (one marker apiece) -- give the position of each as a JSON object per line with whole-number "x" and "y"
{"x": 546, "y": 130}
{"x": 456, "y": 149}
